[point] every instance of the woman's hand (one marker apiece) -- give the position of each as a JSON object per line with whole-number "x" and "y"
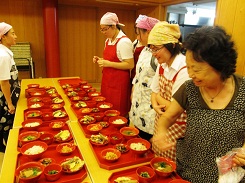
{"x": 103, "y": 63}
{"x": 11, "y": 109}
{"x": 162, "y": 142}
{"x": 239, "y": 159}
{"x": 95, "y": 59}
{"x": 159, "y": 109}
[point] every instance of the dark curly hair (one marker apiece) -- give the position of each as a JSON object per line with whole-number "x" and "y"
{"x": 214, "y": 46}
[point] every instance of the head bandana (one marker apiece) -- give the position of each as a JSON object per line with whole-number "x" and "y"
{"x": 147, "y": 23}
{"x": 140, "y": 18}
{"x": 110, "y": 19}
{"x": 164, "y": 33}
{"x": 4, "y": 28}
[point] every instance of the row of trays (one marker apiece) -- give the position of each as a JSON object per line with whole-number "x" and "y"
{"x": 48, "y": 115}
{"x": 127, "y": 158}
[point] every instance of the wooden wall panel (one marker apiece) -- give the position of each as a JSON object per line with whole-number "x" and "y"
{"x": 159, "y": 12}
{"x": 231, "y": 15}
{"x": 77, "y": 36}
{"x": 26, "y": 18}
{"x": 80, "y": 39}
{"x": 238, "y": 35}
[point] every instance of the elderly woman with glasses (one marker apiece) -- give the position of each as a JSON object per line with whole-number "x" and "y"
{"x": 117, "y": 62}
{"x": 214, "y": 100}
{"x": 171, "y": 73}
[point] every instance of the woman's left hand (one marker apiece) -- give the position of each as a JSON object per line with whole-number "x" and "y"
{"x": 239, "y": 159}
{"x": 102, "y": 63}
{"x": 11, "y": 108}
{"x": 162, "y": 142}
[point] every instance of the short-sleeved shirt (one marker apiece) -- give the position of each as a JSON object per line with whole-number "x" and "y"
{"x": 181, "y": 97}
{"x": 6, "y": 62}
{"x": 124, "y": 46}
{"x": 170, "y": 72}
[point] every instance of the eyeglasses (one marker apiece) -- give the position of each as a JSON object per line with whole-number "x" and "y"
{"x": 156, "y": 50}
{"x": 105, "y": 28}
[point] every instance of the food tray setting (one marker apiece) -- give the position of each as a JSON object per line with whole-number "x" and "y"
{"x": 46, "y": 114}
{"x": 47, "y": 128}
{"x": 106, "y": 130}
{"x": 71, "y": 82}
{"x": 131, "y": 174}
{"x": 53, "y": 155}
{"x": 128, "y": 158}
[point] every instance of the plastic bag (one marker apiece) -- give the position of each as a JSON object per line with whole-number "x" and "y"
{"x": 228, "y": 173}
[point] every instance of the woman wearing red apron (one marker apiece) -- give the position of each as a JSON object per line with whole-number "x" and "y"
{"x": 170, "y": 74}
{"x": 9, "y": 85}
{"x": 117, "y": 62}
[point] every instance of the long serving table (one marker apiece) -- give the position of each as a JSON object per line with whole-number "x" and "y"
{"x": 95, "y": 173}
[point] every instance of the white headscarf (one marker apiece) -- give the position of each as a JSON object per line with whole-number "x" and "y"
{"x": 110, "y": 19}
{"x": 4, "y": 28}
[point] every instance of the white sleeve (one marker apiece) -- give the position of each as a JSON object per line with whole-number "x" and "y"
{"x": 155, "y": 81}
{"x": 5, "y": 65}
{"x": 125, "y": 49}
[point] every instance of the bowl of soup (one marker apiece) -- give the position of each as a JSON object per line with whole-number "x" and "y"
{"x": 33, "y": 114}
{"x": 111, "y": 113}
{"x": 163, "y": 166}
{"x": 129, "y": 132}
{"x": 28, "y": 136}
{"x": 29, "y": 172}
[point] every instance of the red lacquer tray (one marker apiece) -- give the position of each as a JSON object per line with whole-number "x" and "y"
{"x": 132, "y": 173}
{"x": 126, "y": 159}
{"x": 78, "y": 113}
{"x": 105, "y": 131}
{"x": 71, "y": 81}
{"x": 65, "y": 178}
{"x": 44, "y": 127}
{"x": 43, "y": 116}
